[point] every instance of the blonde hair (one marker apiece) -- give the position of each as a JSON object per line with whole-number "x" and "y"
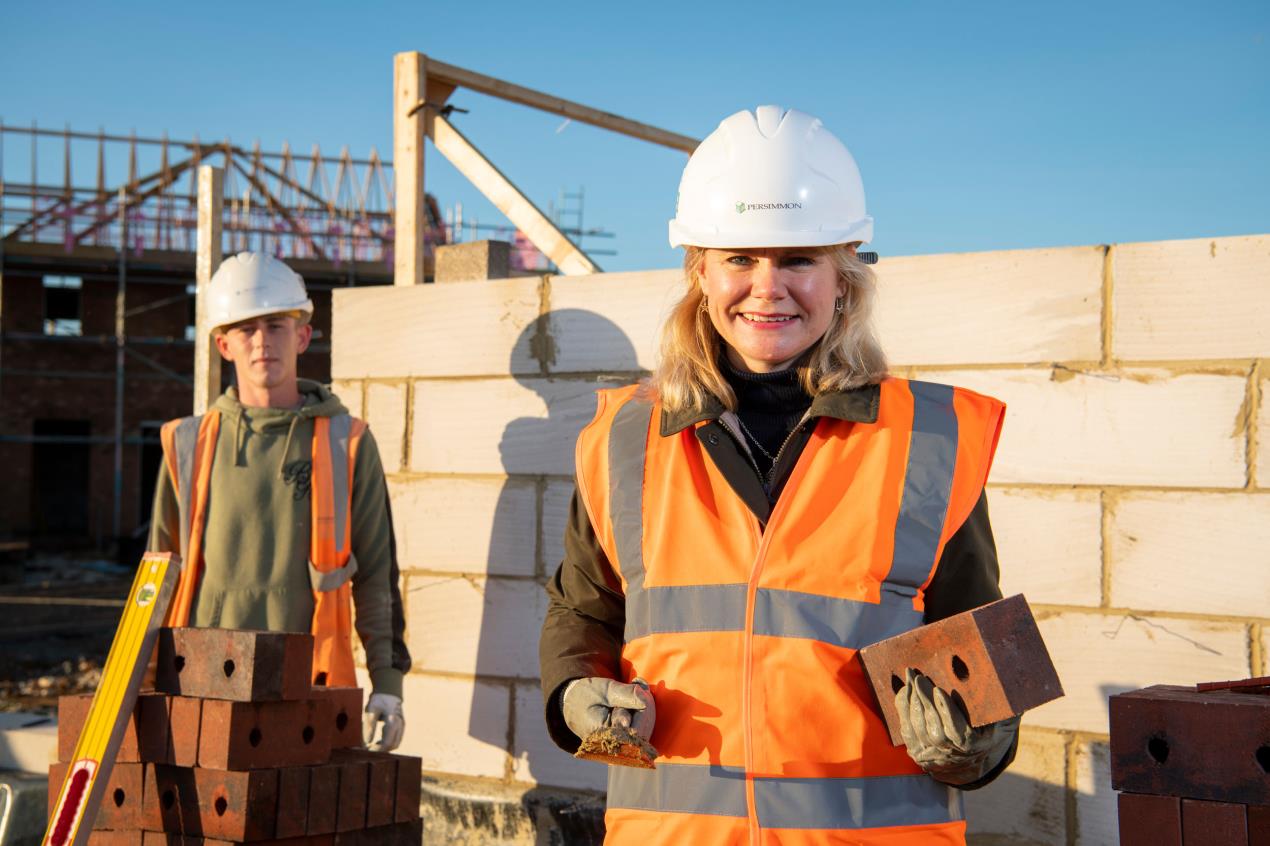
{"x": 847, "y": 356}
{"x": 302, "y": 318}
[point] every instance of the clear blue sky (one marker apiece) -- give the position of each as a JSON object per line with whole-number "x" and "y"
{"x": 977, "y": 126}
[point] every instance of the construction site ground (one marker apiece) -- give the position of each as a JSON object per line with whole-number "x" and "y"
{"x": 57, "y": 617}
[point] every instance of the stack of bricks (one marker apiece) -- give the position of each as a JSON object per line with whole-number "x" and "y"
{"x": 1193, "y": 765}
{"x": 235, "y": 746}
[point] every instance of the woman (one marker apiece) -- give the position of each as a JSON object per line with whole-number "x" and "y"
{"x": 766, "y": 505}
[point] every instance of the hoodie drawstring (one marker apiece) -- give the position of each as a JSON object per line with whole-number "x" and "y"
{"x": 239, "y": 442}
{"x": 282, "y": 465}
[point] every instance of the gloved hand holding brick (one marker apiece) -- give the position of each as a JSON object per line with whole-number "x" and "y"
{"x": 939, "y": 736}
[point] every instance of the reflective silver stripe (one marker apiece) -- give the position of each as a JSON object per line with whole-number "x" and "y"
{"x": 846, "y": 803}
{"x": 341, "y": 428}
{"x": 329, "y": 580}
{"x": 680, "y": 789}
{"x": 842, "y": 622}
{"x": 185, "y": 442}
{"x": 932, "y": 457}
{"x": 684, "y": 608}
{"x": 628, "y": 443}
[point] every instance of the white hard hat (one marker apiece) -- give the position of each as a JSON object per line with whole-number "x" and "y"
{"x": 252, "y": 285}
{"x": 773, "y": 177}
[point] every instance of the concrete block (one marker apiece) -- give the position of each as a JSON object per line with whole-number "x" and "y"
{"x": 1147, "y": 820}
{"x": 386, "y": 413}
{"x": 473, "y": 261}
{"x": 387, "y": 331}
{"x": 1196, "y": 299}
{"x": 472, "y": 625}
{"x": 1173, "y": 741}
{"x": 1098, "y": 655}
{"x": 246, "y": 666}
{"x": 610, "y": 322}
{"x": 27, "y": 804}
{"x": 1095, "y": 800}
{"x": 500, "y": 426}
{"x": 350, "y": 393}
{"x": 1027, "y": 803}
{"x": 467, "y": 725}
{"x": 1006, "y": 306}
{"x": 1202, "y": 553}
{"x": 992, "y": 657}
{"x": 1214, "y": 823}
{"x": 346, "y": 714}
{"x": 555, "y": 515}
{"x": 481, "y": 526}
{"x": 1049, "y": 544}
{"x": 538, "y": 760}
{"x": 1139, "y": 427}
{"x": 28, "y": 742}
{"x": 255, "y": 735}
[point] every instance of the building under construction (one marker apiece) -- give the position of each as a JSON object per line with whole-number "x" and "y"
{"x": 97, "y": 269}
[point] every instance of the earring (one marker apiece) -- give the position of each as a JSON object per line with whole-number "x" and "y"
{"x": 705, "y": 304}
{"x": 837, "y": 305}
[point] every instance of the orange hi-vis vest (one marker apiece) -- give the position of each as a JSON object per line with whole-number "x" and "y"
{"x": 768, "y": 732}
{"x": 189, "y": 445}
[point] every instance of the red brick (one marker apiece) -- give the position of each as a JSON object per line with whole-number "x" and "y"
{"x": 184, "y": 723}
{"x": 409, "y": 788}
{"x": 992, "y": 659}
{"x": 121, "y": 801}
{"x": 1173, "y": 741}
{"x": 154, "y": 735}
{"x": 1259, "y": 825}
{"x": 72, "y": 711}
{"x": 167, "y": 838}
{"x": 256, "y": 735}
{"x": 221, "y": 804}
{"x": 346, "y": 704}
{"x": 293, "y": 802}
{"x": 245, "y": 666}
{"x": 381, "y": 798}
{"x": 324, "y": 795}
{"x": 1150, "y": 820}
{"x": 115, "y": 838}
{"x": 354, "y": 787}
{"x": 1214, "y": 823}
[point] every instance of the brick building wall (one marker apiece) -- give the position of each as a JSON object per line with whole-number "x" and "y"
{"x": 1127, "y": 496}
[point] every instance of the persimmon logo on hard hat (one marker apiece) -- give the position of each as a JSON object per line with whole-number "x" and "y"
{"x": 743, "y": 207}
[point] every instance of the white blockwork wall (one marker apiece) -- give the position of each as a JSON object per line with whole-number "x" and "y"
{"x": 1128, "y": 498}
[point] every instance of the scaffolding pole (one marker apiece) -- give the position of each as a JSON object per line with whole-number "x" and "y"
{"x": 116, "y": 517}
{"x": 211, "y": 203}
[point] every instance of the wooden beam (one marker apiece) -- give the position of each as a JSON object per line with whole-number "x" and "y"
{"x": 211, "y": 202}
{"x": 527, "y": 217}
{"x": 410, "y": 82}
{"x": 548, "y": 103}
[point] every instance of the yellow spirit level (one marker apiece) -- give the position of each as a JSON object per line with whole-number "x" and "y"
{"x": 116, "y": 696}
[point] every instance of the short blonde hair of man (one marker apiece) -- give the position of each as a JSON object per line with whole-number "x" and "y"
{"x": 302, "y": 318}
{"x": 847, "y": 356}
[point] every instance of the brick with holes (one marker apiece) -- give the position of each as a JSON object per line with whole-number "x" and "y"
{"x": 991, "y": 659}
{"x": 256, "y": 735}
{"x": 346, "y": 704}
{"x": 245, "y": 666}
{"x": 219, "y": 804}
{"x": 121, "y": 801}
{"x": 1175, "y": 741}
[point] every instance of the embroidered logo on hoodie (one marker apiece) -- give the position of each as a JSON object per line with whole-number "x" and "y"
{"x": 298, "y": 473}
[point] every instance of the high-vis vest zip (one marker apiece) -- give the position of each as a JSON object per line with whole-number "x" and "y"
{"x": 189, "y": 445}
{"x": 767, "y": 730}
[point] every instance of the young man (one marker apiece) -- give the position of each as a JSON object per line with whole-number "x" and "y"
{"x": 276, "y": 500}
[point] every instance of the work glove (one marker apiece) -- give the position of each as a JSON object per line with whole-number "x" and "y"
{"x": 940, "y": 738}
{"x": 592, "y": 703}
{"x": 383, "y": 709}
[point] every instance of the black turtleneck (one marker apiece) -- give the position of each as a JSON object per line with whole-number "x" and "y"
{"x": 769, "y": 406}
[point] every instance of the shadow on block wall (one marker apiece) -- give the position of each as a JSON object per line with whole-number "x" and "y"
{"x": 535, "y": 452}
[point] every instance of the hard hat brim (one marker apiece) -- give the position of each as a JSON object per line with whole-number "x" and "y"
{"x": 252, "y": 313}
{"x": 860, "y": 231}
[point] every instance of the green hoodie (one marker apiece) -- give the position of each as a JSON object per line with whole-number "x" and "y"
{"x": 256, "y": 540}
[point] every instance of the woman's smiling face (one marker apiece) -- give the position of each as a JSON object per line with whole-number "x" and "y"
{"x": 769, "y": 304}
